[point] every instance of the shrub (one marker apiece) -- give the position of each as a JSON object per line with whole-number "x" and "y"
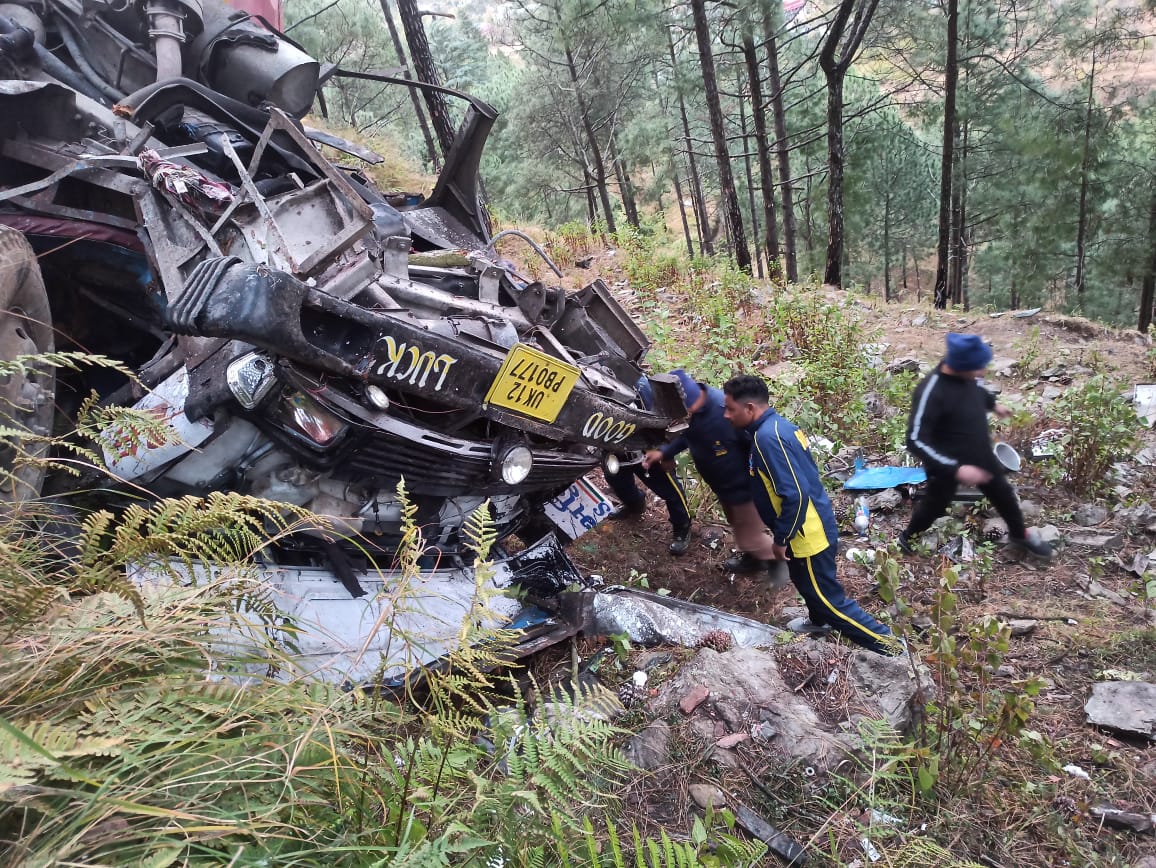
{"x": 1100, "y": 427}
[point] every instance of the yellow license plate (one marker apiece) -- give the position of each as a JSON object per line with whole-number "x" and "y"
{"x": 532, "y": 383}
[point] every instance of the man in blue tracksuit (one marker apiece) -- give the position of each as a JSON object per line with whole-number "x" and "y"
{"x": 663, "y": 481}
{"x": 720, "y": 453}
{"x": 793, "y": 503}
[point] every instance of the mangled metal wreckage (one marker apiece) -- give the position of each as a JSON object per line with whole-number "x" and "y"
{"x": 308, "y": 337}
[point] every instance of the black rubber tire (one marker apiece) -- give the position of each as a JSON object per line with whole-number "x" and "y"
{"x": 26, "y": 399}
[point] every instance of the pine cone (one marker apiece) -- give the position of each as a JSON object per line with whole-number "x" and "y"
{"x": 719, "y": 640}
{"x": 629, "y": 695}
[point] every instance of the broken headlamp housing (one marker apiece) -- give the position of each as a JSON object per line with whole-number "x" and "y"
{"x": 250, "y": 377}
{"x": 301, "y": 415}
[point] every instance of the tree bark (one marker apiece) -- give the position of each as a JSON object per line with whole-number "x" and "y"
{"x": 423, "y": 67}
{"x": 1085, "y": 171}
{"x": 423, "y": 124}
{"x": 950, "y": 83}
{"x": 835, "y": 59}
{"x": 1148, "y": 284}
{"x": 782, "y": 151}
{"x": 599, "y": 167}
{"x": 698, "y": 201}
{"x": 766, "y": 178}
{"x": 887, "y": 244}
{"x": 750, "y": 176}
{"x": 626, "y": 190}
{"x": 682, "y": 214}
{"x": 731, "y": 210}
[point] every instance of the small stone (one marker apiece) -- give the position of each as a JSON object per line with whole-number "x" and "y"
{"x": 1023, "y": 626}
{"x": 652, "y": 660}
{"x": 693, "y": 699}
{"x": 1129, "y": 706}
{"x": 920, "y": 320}
{"x": 1050, "y": 392}
{"x": 1030, "y": 509}
{"x": 904, "y": 364}
{"x": 1091, "y": 540}
{"x": 731, "y": 715}
{"x": 1145, "y": 862}
{"x": 729, "y": 741}
{"x": 707, "y": 796}
{"x": 766, "y": 731}
{"x": 1049, "y": 533}
{"x": 650, "y": 749}
{"x": 1089, "y": 514}
{"x": 885, "y": 500}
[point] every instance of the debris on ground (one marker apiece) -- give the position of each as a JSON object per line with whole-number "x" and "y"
{"x": 1126, "y": 706}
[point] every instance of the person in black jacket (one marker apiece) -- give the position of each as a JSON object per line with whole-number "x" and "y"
{"x": 720, "y": 453}
{"x": 947, "y": 430}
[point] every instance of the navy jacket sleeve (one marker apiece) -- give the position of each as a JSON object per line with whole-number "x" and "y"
{"x": 675, "y": 446}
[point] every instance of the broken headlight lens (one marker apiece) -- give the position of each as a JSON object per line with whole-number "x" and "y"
{"x": 515, "y": 464}
{"x": 250, "y": 377}
{"x": 302, "y": 414}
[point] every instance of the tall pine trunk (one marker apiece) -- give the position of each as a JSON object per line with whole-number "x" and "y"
{"x": 698, "y": 200}
{"x": 599, "y": 167}
{"x": 835, "y": 58}
{"x": 782, "y": 150}
{"x": 415, "y": 98}
{"x": 762, "y": 146}
{"x": 750, "y": 177}
{"x": 423, "y": 67}
{"x": 730, "y": 199}
{"x": 950, "y": 84}
{"x": 1148, "y": 284}
{"x": 1085, "y": 172}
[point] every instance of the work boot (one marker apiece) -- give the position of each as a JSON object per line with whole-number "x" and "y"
{"x": 1032, "y": 545}
{"x": 680, "y": 543}
{"x": 777, "y": 576}
{"x": 743, "y": 563}
{"x": 903, "y": 541}
{"x": 807, "y": 627}
{"x": 628, "y": 511}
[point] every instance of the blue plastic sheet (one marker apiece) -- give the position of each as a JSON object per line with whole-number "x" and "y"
{"x": 885, "y": 477}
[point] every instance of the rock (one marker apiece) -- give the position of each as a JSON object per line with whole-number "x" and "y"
{"x": 692, "y": 700}
{"x": 707, "y": 796}
{"x": 652, "y": 660}
{"x": 1132, "y": 517}
{"x": 765, "y": 731}
{"x": 1094, "y": 589}
{"x": 1030, "y": 509}
{"x": 1003, "y": 367}
{"x": 650, "y": 749}
{"x": 920, "y": 320}
{"x": 1023, "y": 626}
{"x": 887, "y": 681}
{"x": 729, "y": 741}
{"x": 1121, "y": 819}
{"x": 1089, "y": 514}
{"x": 1102, "y": 541}
{"x": 794, "y": 612}
{"x": 885, "y": 500}
{"x": 712, "y": 535}
{"x": 1049, "y": 533}
{"x": 1050, "y": 392}
{"x": 904, "y": 364}
{"x": 1128, "y": 706}
{"x": 1145, "y": 862}
{"x": 731, "y": 715}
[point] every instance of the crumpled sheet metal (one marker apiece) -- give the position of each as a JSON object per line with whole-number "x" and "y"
{"x": 650, "y": 619}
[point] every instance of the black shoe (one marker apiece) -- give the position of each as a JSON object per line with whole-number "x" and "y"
{"x": 628, "y": 512}
{"x": 1037, "y": 547}
{"x": 778, "y": 576}
{"x": 744, "y": 563}
{"x": 680, "y": 543}
{"x": 903, "y": 541}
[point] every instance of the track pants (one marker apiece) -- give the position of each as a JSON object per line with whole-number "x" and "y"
{"x": 941, "y": 490}
{"x": 827, "y": 603}
{"x": 664, "y": 483}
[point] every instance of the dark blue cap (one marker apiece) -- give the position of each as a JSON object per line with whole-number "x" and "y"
{"x": 966, "y": 352}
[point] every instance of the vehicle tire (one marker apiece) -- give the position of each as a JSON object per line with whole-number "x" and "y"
{"x": 26, "y": 397}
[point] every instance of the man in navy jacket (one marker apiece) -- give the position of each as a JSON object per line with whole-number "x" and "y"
{"x": 792, "y": 501}
{"x": 947, "y": 430}
{"x": 720, "y": 454}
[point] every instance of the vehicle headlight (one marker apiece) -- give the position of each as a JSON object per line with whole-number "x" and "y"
{"x": 611, "y": 463}
{"x": 515, "y": 464}
{"x": 250, "y": 377}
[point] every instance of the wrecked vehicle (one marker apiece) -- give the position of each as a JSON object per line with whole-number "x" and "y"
{"x": 307, "y": 337}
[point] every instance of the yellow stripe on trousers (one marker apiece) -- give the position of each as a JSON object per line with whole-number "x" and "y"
{"x": 879, "y": 637}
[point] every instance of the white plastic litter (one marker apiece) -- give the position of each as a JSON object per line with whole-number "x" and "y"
{"x": 1077, "y": 772}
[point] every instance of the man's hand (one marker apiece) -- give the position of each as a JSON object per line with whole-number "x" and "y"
{"x": 654, "y": 456}
{"x": 969, "y": 474}
{"x": 778, "y": 552}
{"x": 1001, "y": 411}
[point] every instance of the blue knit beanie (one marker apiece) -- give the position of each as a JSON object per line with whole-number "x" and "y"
{"x": 966, "y": 352}
{"x": 690, "y": 389}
